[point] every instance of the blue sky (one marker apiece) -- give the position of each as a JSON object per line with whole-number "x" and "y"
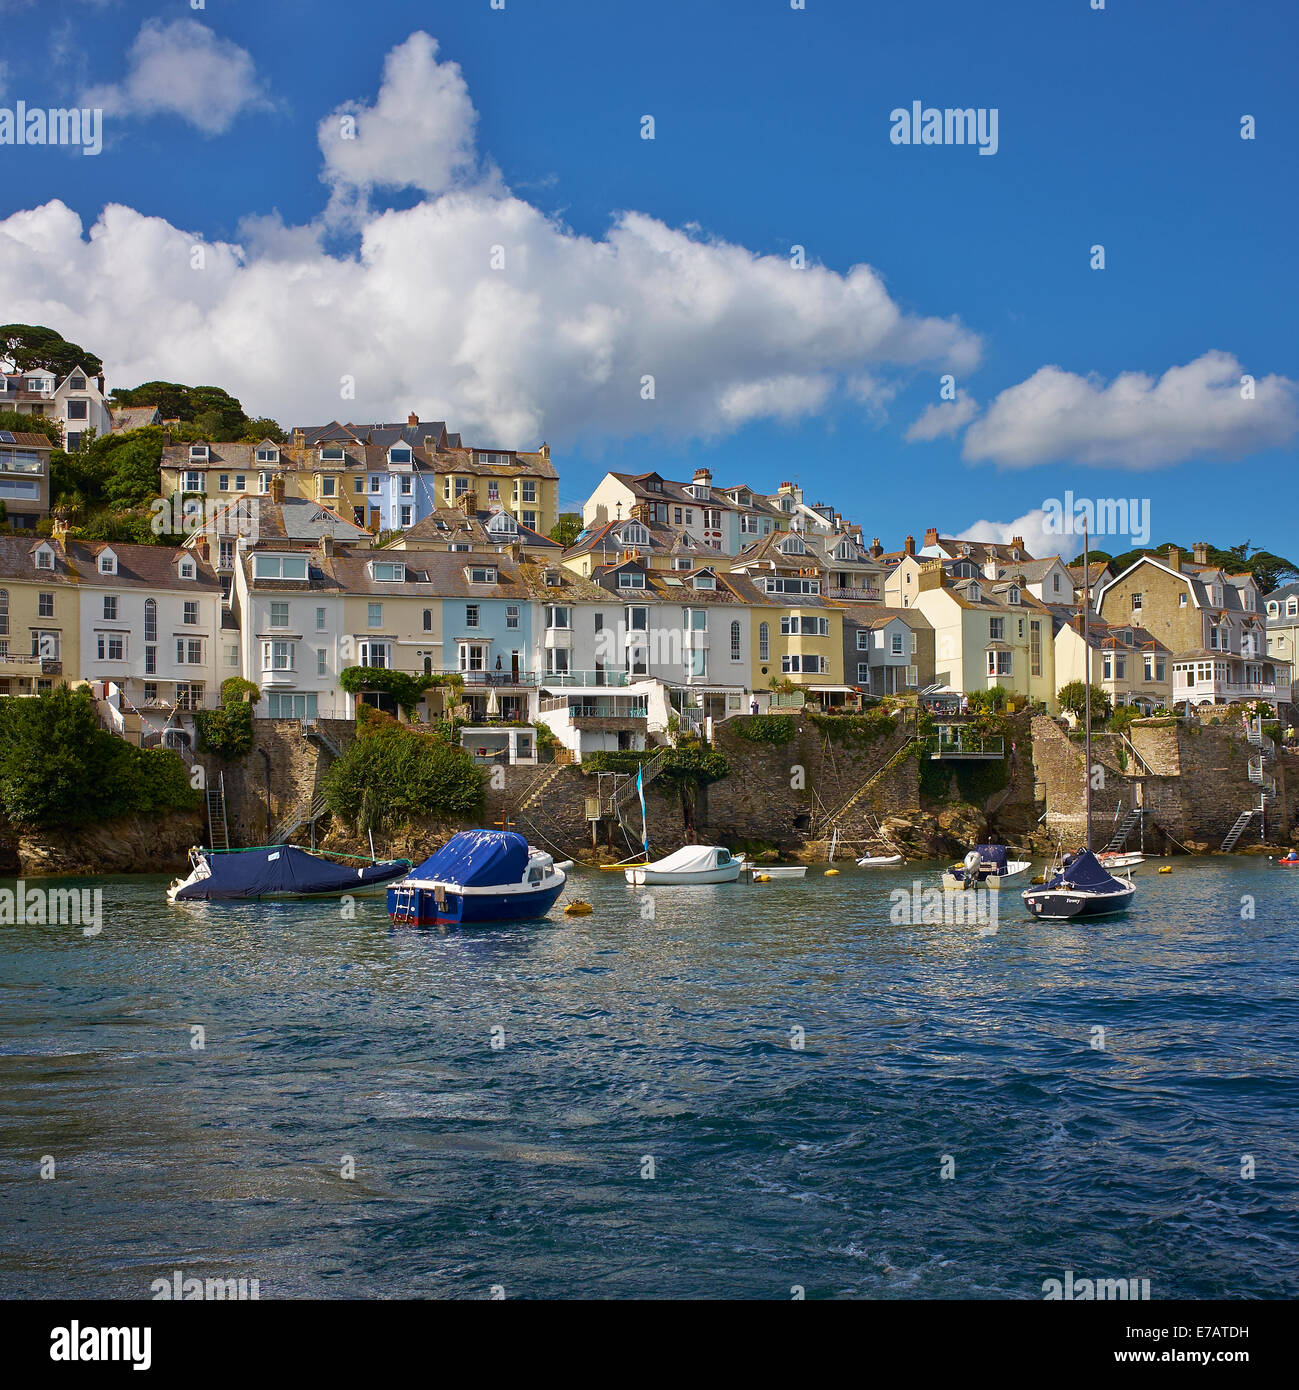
{"x": 1119, "y": 127}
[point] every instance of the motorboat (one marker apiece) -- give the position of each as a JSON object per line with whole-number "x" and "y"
{"x": 774, "y": 871}
{"x": 1120, "y": 859}
{"x": 1082, "y": 887}
{"x": 693, "y": 864}
{"x": 878, "y": 861}
{"x": 479, "y": 876}
{"x": 280, "y": 871}
{"x": 986, "y": 866}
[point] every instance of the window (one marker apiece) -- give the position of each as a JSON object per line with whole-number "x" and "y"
{"x": 223, "y": 482}
{"x": 73, "y": 441}
{"x": 1120, "y": 667}
{"x": 191, "y": 611}
{"x": 110, "y": 609}
{"x": 374, "y": 654}
{"x": 279, "y": 567}
{"x": 327, "y": 486}
{"x": 897, "y": 644}
{"x": 358, "y": 484}
{"x": 374, "y": 615}
{"x": 399, "y": 453}
{"x": 268, "y": 456}
{"x": 241, "y": 482}
{"x": 4, "y": 612}
{"x": 557, "y": 661}
{"x": 277, "y": 656}
{"x": 1136, "y": 603}
{"x": 482, "y": 574}
{"x": 705, "y": 581}
{"x": 471, "y": 615}
{"x": 193, "y": 482}
{"x": 78, "y": 410}
{"x": 529, "y": 490}
{"x": 263, "y": 483}
{"x": 108, "y": 563}
{"x": 557, "y": 617}
{"x": 1012, "y": 595}
{"x": 46, "y": 645}
{"x": 189, "y": 694}
{"x": 151, "y": 661}
{"x": 374, "y": 482}
{"x": 863, "y": 640}
{"x": 473, "y": 656}
{"x": 863, "y": 673}
{"x": 764, "y": 642}
{"x": 406, "y": 516}
{"x": 279, "y": 615}
{"x": 111, "y": 647}
{"x": 428, "y": 620}
{"x": 511, "y": 615}
{"x": 189, "y": 651}
{"x": 493, "y": 490}
{"x": 638, "y": 619}
{"x": 1034, "y": 647}
{"x": 1291, "y": 607}
{"x": 1055, "y": 582}
{"x": 322, "y": 661}
{"x": 320, "y": 620}
{"x": 631, "y": 579}
{"x": 44, "y": 559}
{"x": 735, "y": 641}
{"x": 151, "y": 692}
{"x": 388, "y": 572}
{"x": 187, "y": 569}
{"x": 1181, "y": 600}
{"x": 530, "y": 520}
{"x": 996, "y": 629}
{"x": 45, "y": 605}
{"x": 999, "y": 663}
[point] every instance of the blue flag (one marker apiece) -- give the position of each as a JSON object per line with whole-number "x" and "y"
{"x": 644, "y": 826}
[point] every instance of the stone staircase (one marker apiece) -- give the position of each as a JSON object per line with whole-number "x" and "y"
{"x": 827, "y": 825}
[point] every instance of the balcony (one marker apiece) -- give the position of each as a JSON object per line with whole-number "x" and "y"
{"x": 860, "y": 594}
{"x": 28, "y": 465}
{"x": 962, "y": 744}
{"x": 497, "y": 679}
{"x": 559, "y": 679}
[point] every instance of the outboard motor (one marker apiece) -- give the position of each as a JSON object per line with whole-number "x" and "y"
{"x": 971, "y": 876}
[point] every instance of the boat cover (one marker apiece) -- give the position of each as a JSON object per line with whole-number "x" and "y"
{"x": 478, "y": 859}
{"x": 993, "y": 854}
{"x": 692, "y": 859}
{"x": 257, "y": 873}
{"x": 1084, "y": 870}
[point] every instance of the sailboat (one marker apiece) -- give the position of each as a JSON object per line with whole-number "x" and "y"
{"x": 1082, "y": 886}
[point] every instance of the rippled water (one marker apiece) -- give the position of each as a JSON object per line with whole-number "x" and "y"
{"x": 628, "y": 1040}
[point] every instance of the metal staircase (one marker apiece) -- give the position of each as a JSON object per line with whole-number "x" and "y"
{"x": 218, "y": 832}
{"x": 314, "y": 733}
{"x": 1125, "y": 828}
{"x": 303, "y": 815}
{"x": 1237, "y": 830}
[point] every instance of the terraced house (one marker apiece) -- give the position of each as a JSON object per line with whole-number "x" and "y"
{"x": 692, "y": 509}
{"x": 1282, "y": 608}
{"x": 39, "y": 615}
{"x": 1211, "y": 622}
{"x": 1127, "y": 662}
{"x": 24, "y": 478}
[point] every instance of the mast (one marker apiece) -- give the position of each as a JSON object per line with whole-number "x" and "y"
{"x": 1087, "y": 693}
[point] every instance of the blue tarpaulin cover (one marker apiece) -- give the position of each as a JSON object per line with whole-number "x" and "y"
{"x": 1084, "y": 870}
{"x": 258, "y": 873}
{"x": 478, "y": 859}
{"x": 993, "y": 854}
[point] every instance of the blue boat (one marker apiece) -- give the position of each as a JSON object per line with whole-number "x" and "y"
{"x": 280, "y": 871}
{"x": 479, "y": 876}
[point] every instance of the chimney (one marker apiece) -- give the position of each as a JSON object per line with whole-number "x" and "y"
{"x": 1174, "y": 559}
{"x": 909, "y": 545}
{"x": 931, "y": 536}
{"x": 166, "y": 439}
{"x": 59, "y": 529}
{"x": 702, "y": 475}
{"x": 412, "y": 420}
{"x": 991, "y": 568}
{"x": 327, "y": 546}
{"x": 876, "y": 548}
{"x": 201, "y": 545}
{"x": 299, "y": 438}
{"x": 277, "y": 488}
{"x": 99, "y": 381}
{"x": 469, "y": 502}
{"x": 1018, "y": 541}
{"x": 1201, "y": 552}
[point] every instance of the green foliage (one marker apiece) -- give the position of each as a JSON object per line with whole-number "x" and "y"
{"x": 263, "y": 427}
{"x": 391, "y": 774}
{"x": 227, "y": 731}
{"x": 112, "y": 471}
{"x": 57, "y": 767}
{"x": 30, "y": 346}
{"x": 855, "y": 728}
{"x": 236, "y": 688}
{"x": 763, "y": 728}
{"x": 1072, "y": 697}
{"x": 213, "y": 412}
{"x": 546, "y": 738}
{"x": 693, "y": 763}
{"x": 405, "y": 689}
{"x": 994, "y": 698}
{"x": 1270, "y": 571}
{"x": 32, "y": 424}
{"x": 1123, "y": 718}
{"x": 567, "y": 529}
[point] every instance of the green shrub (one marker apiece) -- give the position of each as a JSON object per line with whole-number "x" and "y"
{"x": 855, "y": 728}
{"x": 764, "y": 728}
{"x": 391, "y": 774}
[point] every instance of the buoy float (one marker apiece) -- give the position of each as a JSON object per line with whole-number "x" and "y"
{"x": 1041, "y": 878}
{"x": 1165, "y": 868}
{"x": 578, "y": 908}
{"x": 830, "y": 873}
{"x": 762, "y": 878}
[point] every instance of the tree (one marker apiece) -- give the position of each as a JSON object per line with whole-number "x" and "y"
{"x": 567, "y": 529}
{"x": 1270, "y": 571}
{"x": 1072, "y": 698}
{"x": 32, "y": 424}
{"x": 212, "y": 412}
{"x": 32, "y": 346}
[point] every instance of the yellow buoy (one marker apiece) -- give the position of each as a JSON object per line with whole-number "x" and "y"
{"x": 578, "y": 908}
{"x": 762, "y": 878}
{"x": 830, "y": 873}
{"x": 1165, "y": 868}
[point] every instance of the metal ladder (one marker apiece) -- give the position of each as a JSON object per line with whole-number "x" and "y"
{"x": 218, "y": 832}
{"x": 1120, "y": 836}
{"x": 405, "y": 905}
{"x": 1237, "y": 830}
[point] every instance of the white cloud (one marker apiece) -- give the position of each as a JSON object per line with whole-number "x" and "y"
{"x": 943, "y": 418}
{"x": 1195, "y": 411}
{"x": 184, "y": 69}
{"x": 1033, "y": 528}
{"x": 552, "y": 345}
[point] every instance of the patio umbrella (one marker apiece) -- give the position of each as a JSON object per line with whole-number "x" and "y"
{"x": 493, "y": 705}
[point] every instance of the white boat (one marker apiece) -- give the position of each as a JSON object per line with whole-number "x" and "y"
{"x": 693, "y": 864}
{"x": 878, "y": 861}
{"x": 776, "y": 870}
{"x": 986, "y": 866}
{"x": 1120, "y": 859}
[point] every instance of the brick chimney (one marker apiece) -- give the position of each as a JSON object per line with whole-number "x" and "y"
{"x": 931, "y": 536}
{"x": 277, "y": 488}
{"x": 201, "y": 546}
{"x": 909, "y": 545}
{"x": 327, "y": 546}
{"x": 1174, "y": 559}
{"x": 1201, "y": 552}
{"x": 703, "y": 477}
{"x": 99, "y": 381}
{"x": 1018, "y": 541}
{"x": 412, "y": 420}
{"x": 876, "y": 548}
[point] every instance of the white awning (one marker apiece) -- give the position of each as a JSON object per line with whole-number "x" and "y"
{"x": 834, "y": 689}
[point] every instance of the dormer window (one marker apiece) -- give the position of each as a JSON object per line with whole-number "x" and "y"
{"x": 705, "y": 581}
{"x": 631, "y": 579}
{"x": 331, "y": 453}
{"x": 77, "y": 383}
{"x": 1014, "y": 552}
{"x": 634, "y": 533}
{"x": 268, "y": 455}
{"x": 502, "y": 524}
{"x": 1012, "y": 595}
{"x": 482, "y": 574}
{"x": 198, "y": 451}
{"x": 975, "y": 592}
{"x": 793, "y": 546}
{"x": 107, "y": 562}
{"x": 187, "y": 569}
{"x": 965, "y": 550}
{"x": 44, "y": 558}
{"x": 388, "y": 571}
{"x": 1274, "y": 610}
{"x": 399, "y": 453}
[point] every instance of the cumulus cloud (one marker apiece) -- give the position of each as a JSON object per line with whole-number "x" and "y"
{"x": 184, "y": 69}
{"x": 1136, "y": 421}
{"x": 472, "y": 306}
{"x": 943, "y": 418}
{"x": 1041, "y": 539}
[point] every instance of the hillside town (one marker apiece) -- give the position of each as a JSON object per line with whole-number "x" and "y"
{"x": 404, "y": 547}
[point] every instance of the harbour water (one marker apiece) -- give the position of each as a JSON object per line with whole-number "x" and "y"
{"x": 624, "y": 1106}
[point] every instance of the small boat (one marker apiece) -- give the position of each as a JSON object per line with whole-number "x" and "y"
{"x": 693, "y": 864}
{"x": 878, "y": 861}
{"x": 1083, "y": 887}
{"x": 1291, "y": 861}
{"x": 1120, "y": 859}
{"x": 279, "y": 871}
{"x": 758, "y": 872}
{"x": 479, "y": 876}
{"x": 986, "y": 866}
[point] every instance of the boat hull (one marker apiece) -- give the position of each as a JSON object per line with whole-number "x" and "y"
{"x": 777, "y": 871}
{"x": 468, "y": 909}
{"x": 725, "y": 873}
{"x": 878, "y": 861}
{"x": 1064, "y": 904}
{"x": 955, "y": 878}
{"x": 204, "y": 886}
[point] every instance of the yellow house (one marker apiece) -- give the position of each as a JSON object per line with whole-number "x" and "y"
{"x": 1129, "y": 664}
{"x": 40, "y": 616}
